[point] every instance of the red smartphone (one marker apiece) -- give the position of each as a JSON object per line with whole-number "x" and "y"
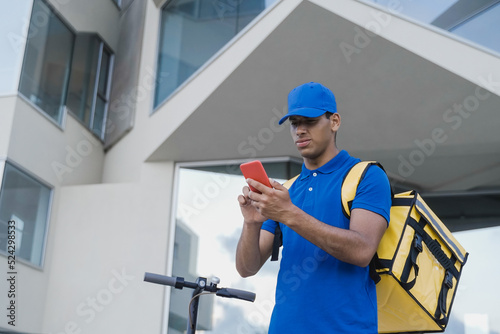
{"x": 254, "y": 170}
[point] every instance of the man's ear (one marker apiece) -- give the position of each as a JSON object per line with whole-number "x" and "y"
{"x": 335, "y": 121}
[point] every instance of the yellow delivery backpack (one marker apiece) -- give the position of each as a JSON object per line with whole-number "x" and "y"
{"x": 417, "y": 265}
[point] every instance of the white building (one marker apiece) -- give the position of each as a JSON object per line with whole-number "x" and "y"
{"x": 105, "y": 105}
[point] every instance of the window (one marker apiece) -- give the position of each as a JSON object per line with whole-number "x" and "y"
{"x": 25, "y": 201}
{"x": 472, "y": 20}
{"x": 475, "y": 308}
{"x": 423, "y": 11}
{"x": 208, "y": 226}
{"x": 192, "y": 31}
{"x": 480, "y": 27}
{"x": 45, "y": 72}
{"x": 88, "y": 91}
{"x": 63, "y": 69}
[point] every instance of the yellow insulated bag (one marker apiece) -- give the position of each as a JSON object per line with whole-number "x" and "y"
{"x": 417, "y": 265}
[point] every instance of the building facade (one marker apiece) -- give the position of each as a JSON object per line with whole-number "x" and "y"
{"x": 122, "y": 125}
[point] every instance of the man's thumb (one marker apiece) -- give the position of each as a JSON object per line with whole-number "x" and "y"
{"x": 276, "y": 184}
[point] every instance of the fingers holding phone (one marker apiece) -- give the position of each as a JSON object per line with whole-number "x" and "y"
{"x": 273, "y": 204}
{"x": 250, "y": 211}
{"x": 256, "y": 177}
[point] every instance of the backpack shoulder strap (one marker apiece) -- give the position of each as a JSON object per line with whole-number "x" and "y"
{"x": 348, "y": 192}
{"x": 278, "y": 237}
{"x": 351, "y": 181}
{"x": 289, "y": 183}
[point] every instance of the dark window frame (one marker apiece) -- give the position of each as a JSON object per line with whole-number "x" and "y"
{"x": 95, "y": 92}
{"x": 20, "y": 169}
{"x": 63, "y": 112}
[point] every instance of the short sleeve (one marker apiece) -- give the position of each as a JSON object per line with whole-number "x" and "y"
{"x": 374, "y": 193}
{"x": 269, "y": 225}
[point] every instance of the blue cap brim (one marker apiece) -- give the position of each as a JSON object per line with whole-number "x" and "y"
{"x": 304, "y": 112}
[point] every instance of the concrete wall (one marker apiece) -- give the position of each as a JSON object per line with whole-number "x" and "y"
{"x": 103, "y": 239}
{"x": 58, "y": 156}
{"x": 6, "y": 119}
{"x": 30, "y": 293}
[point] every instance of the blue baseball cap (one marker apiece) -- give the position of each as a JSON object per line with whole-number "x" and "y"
{"x": 310, "y": 100}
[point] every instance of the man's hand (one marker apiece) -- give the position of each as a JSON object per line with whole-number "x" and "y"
{"x": 250, "y": 213}
{"x": 273, "y": 203}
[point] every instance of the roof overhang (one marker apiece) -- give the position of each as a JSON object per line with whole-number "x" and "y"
{"x": 428, "y": 126}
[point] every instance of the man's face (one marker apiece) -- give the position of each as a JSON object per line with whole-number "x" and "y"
{"x": 313, "y": 136}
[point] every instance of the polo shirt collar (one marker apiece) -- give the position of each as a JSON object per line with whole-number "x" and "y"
{"x": 334, "y": 164}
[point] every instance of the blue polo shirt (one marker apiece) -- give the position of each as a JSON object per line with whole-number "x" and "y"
{"x": 315, "y": 292}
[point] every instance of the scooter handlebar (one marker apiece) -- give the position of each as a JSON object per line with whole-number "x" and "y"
{"x": 179, "y": 283}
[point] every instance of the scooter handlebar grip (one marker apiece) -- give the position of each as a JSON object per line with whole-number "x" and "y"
{"x": 235, "y": 293}
{"x": 160, "y": 279}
